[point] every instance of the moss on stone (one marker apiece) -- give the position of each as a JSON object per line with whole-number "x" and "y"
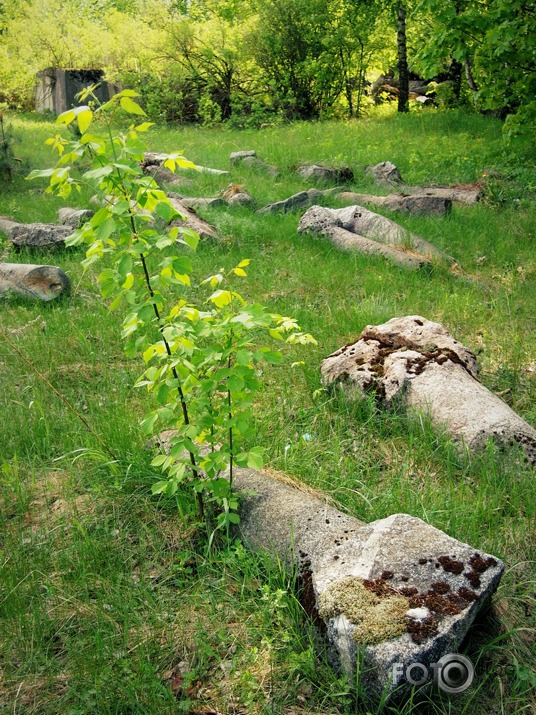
{"x": 376, "y": 619}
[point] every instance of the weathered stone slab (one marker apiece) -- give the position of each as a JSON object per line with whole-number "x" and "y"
{"x": 321, "y": 172}
{"x": 398, "y": 588}
{"x": 250, "y": 158}
{"x": 32, "y": 281}
{"x": 236, "y": 195}
{"x": 74, "y": 217}
{"x": 38, "y": 235}
{"x": 416, "y": 204}
{"x": 385, "y": 173}
{"x": 192, "y": 220}
{"x": 196, "y": 203}
{"x": 357, "y": 228}
{"x": 235, "y": 157}
{"x": 417, "y": 363}
{"x": 458, "y": 195}
{"x": 6, "y": 224}
{"x": 293, "y": 203}
{"x": 165, "y": 177}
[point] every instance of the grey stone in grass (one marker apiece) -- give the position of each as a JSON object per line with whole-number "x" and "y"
{"x": 235, "y": 157}
{"x": 416, "y": 363}
{"x": 397, "y": 589}
{"x": 417, "y": 204}
{"x": 385, "y": 173}
{"x": 355, "y": 228}
{"x": 293, "y": 203}
{"x": 74, "y": 217}
{"x": 321, "y": 172}
{"x": 33, "y": 281}
{"x": 38, "y": 235}
{"x": 196, "y": 203}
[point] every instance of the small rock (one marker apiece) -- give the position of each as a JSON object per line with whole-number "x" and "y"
{"x": 385, "y": 173}
{"x": 237, "y": 156}
{"x": 38, "y": 235}
{"x": 320, "y": 172}
{"x": 74, "y": 217}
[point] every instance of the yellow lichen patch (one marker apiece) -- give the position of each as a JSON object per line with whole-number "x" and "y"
{"x": 375, "y": 619}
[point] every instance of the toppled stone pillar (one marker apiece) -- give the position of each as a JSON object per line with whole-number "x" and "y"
{"x": 355, "y": 228}
{"x": 417, "y": 363}
{"x": 396, "y": 591}
{"x": 36, "y": 282}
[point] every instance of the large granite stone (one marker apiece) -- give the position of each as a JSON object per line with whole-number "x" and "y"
{"x": 398, "y": 590}
{"x": 416, "y": 363}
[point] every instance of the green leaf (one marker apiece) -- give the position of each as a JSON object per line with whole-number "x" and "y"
{"x": 131, "y": 107}
{"x": 159, "y": 487}
{"x": 221, "y": 298}
{"x": 99, "y": 173}
{"x": 84, "y": 119}
{"x": 67, "y": 117}
{"x": 233, "y": 517}
{"x": 166, "y": 211}
{"x": 255, "y": 459}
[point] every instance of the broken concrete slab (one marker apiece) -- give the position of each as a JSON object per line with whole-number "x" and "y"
{"x": 321, "y": 172}
{"x": 74, "y": 217}
{"x": 385, "y": 173}
{"x": 33, "y": 281}
{"x": 416, "y": 204}
{"x": 397, "y": 590}
{"x": 416, "y": 363}
{"x": 355, "y": 228}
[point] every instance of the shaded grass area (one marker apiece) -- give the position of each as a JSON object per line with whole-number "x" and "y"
{"x": 109, "y": 603}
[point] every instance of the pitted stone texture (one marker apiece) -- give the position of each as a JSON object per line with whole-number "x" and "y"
{"x": 74, "y": 217}
{"x": 385, "y": 173}
{"x": 191, "y": 220}
{"x": 320, "y": 172}
{"x": 419, "y": 364}
{"x": 38, "y": 235}
{"x": 400, "y": 553}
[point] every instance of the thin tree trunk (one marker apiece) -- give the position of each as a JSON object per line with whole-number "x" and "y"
{"x": 403, "y": 73}
{"x": 469, "y": 76}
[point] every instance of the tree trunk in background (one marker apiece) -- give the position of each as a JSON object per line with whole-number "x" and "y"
{"x": 455, "y": 73}
{"x": 403, "y": 74}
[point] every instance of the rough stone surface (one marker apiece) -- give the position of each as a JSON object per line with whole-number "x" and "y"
{"x": 38, "y": 235}
{"x": 419, "y": 364}
{"x": 236, "y": 195}
{"x": 417, "y": 204}
{"x": 385, "y": 173}
{"x": 320, "y": 172}
{"x": 192, "y": 220}
{"x": 357, "y": 228}
{"x": 293, "y": 203}
{"x": 252, "y": 161}
{"x": 196, "y": 203}
{"x": 457, "y": 194}
{"x": 6, "y": 224}
{"x": 35, "y": 282}
{"x": 407, "y": 589}
{"x": 74, "y": 217}
{"x": 237, "y": 156}
{"x": 165, "y": 177}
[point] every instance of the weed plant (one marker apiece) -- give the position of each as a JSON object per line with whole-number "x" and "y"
{"x": 108, "y": 600}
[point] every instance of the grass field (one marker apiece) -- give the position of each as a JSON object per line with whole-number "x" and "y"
{"x": 109, "y": 602}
